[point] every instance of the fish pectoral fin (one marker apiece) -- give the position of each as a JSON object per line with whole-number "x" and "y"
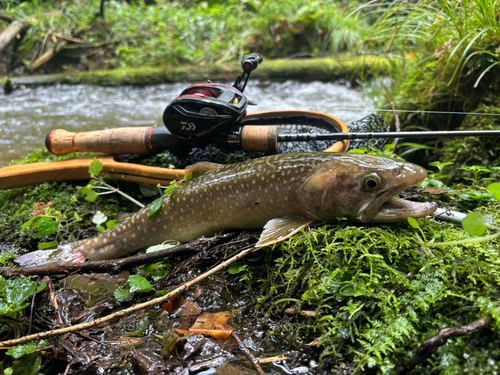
{"x": 199, "y": 169}
{"x": 279, "y": 229}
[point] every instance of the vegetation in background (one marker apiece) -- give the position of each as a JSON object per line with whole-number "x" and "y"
{"x": 133, "y": 34}
{"x": 448, "y": 52}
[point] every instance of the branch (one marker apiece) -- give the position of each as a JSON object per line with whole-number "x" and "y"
{"x": 6, "y": 18}
{"x": 140, "y": 306}
{"x": 47, "y": 56}
{"x": 13, "y": 31}
{"x": 429, "y": 346}
{"x": 249, "y": 354}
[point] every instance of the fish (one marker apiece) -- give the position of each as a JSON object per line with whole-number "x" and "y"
{"x": 280, "y": 193}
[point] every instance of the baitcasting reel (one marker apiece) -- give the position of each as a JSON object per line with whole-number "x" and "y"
{"x": 209, "y": 109}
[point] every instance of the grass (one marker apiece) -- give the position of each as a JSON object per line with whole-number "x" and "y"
{"x": 448, "y": 51}
{"x": 175, "y": 33}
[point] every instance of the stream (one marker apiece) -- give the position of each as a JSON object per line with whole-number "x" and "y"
{"x": 28, "y": 114}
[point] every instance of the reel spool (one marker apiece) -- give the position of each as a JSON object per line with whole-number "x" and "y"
{"x": 205, "y": 110}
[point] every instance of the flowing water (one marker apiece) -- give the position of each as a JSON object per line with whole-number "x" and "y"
{"x": 28, "y": 114}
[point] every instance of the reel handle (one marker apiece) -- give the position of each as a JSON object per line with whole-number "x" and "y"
{"x": 142, "y": 141}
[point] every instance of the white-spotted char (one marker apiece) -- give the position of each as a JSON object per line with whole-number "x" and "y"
{"x": 282, "y": 193}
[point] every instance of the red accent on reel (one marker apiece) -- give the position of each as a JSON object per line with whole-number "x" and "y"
{"x": 210, "y": 93}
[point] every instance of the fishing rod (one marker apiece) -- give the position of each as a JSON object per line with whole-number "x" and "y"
{"x": 391, "y": 135}
{"x": 249, "y": 135}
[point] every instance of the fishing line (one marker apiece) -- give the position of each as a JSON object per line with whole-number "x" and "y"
{"x": 397, "y": 110}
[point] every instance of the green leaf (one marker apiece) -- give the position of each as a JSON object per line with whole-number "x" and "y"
{"x": 91, "y": 196}
{"x": 33, "y": 222}
{"x": 112, "y": 223}
{"x": 47, "y": 227}
{"x": 139, "y": 284}
{"x": 495, "y": 189}
{"x": 95, "y": 168}
{"x": 122, "y": 293}
{"x": 99, "y": 218}
{"x": 159, "y": 247}
{"x": 236, "y": 267}
{"x": 47, "y": 245}
{"x": 28, "y": 365}
{"x": 362, "y": 150}
{"x": 20, "y": 350}
{"x": 475, "y": 224}
{"x": 155, "y": 206}
{"x": 413, "y": 223}
{"x": 149, "y": 191}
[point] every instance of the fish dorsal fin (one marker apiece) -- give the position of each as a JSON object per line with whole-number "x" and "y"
{"x": 198, "y": 169}
{"x": 279, "y": 229}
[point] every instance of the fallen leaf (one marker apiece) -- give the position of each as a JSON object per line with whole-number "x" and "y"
{"x": 213, "y": 324}
{"x": 181, "y": 307}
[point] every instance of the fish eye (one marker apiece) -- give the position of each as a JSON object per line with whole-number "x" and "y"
{"x": 372, "y": 182}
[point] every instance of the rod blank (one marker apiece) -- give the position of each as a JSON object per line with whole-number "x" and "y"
{"x": 340, "y": 136}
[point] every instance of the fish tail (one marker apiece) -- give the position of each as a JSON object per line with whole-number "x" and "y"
{"x": 63, "y": 254}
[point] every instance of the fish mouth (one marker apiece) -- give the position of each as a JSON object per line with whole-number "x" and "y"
{"x": 385, "y": 208}
{"x": 395, "y": 209}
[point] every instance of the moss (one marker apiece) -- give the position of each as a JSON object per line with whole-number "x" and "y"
{"x": 346, "y": 66}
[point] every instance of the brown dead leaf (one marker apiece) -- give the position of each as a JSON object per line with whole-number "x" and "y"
{"x": 213, "y": 324}
{"x": 182, "y": 332}
{"x": 181, "y": 307}
{"x": 39, "y": 208}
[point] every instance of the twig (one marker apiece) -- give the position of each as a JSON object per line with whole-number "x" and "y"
{"x": 249, "y": 354}
{"x": 309, "y": 314}
{"x": 84, "y": 44}
{"x": 429, "y": 346}
{"x": 140, "y": 306}
{"x": 55, "y": 303}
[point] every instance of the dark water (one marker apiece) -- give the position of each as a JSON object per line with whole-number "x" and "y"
{"x": 27, "y": 115}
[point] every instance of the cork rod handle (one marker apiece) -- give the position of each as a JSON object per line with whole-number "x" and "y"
{"x": 112, "y": 141}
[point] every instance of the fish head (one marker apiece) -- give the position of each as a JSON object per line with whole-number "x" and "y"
{"x": 361, "y": 188}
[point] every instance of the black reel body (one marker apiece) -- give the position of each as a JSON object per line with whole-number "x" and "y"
{"x": 204, "y": 110}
